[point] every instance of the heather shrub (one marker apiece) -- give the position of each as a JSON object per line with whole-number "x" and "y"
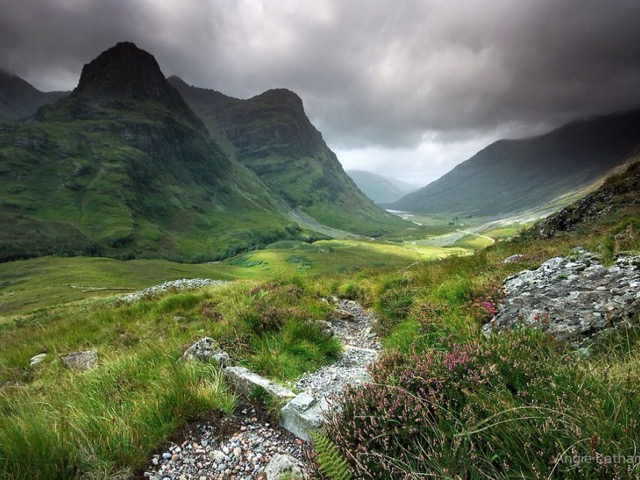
{"x": 518, "y": 405}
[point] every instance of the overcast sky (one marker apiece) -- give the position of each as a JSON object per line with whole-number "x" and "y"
{"x": 407, "y": 88}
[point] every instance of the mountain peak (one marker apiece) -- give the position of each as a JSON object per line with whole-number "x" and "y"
{"x": 116, "y": 80}
{"x": 280, "y": 96}
{"x": 123, "y": 70}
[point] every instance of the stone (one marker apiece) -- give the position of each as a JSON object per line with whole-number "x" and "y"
{"x": 207, "y": 350}
{"x": 37, "y": 359}
{"x": 247, "y": 383}
{"x": 574, "y": 298}
{"x": 80, "y": 360}
{"x": 281, "y": 465}
{"x": 344, "y": 315}
{"x": 514, "y": 258}
{"x": 326, "y": 328}
{"x": 303, "y": 415}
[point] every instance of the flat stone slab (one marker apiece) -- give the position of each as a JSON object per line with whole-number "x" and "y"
{"x": 303, "y": 415}
{"x": 246, "y": 383}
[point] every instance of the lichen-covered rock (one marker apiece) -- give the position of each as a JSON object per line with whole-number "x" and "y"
{"x": 80, "y": 360}
{"x": 283, "y": 466}
{"x": 575, "y": 298}
{"x": 207, "y": 350}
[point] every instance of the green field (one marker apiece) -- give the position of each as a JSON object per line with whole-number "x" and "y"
{"x": 47, "y": 282}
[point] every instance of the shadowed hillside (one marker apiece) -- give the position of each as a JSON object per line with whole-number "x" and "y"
{"x": 513, "y": 175}
{"x": 271, "y": 135}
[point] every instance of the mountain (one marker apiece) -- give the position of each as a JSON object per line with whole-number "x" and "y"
{"x": 378, "y": 188}
{"x": 515, "y": 175}
{"x": 271, "y": 135}
{"x": 122, "y": 167}
{"x": 19, "y": 99}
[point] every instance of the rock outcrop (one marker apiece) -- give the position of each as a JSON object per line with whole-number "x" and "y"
{"x": 622, "y": 190}
{"x": 576, "y": 299}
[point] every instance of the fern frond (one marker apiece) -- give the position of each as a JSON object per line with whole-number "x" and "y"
{"x": 331, "y": 462}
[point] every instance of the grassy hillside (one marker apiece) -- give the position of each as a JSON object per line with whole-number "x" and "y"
{"x": 514, "y": 175}
{"x": 123, "y": 168}
{"x": 271, "y": 135}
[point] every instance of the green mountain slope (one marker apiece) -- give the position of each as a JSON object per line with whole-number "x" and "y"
{"x": 513, "y": 175}
{"x": 271, "y": 135}
{"x": 122, "y": 167}
{"x": 378, "y": 188}
{"x": 19, "y": 99}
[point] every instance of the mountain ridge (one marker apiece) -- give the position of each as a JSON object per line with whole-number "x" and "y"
{"x": 513, "y": 175}
{"x": 19, "y": 99}
{"x": 122, "y": 167}
{"x": 271, "y": 135}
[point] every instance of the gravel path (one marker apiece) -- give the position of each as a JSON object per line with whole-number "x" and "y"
{"x": 361, "y": 349}
{"x": 240, "y": 446}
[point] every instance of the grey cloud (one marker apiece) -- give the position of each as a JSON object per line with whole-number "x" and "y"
{"x": 372, "y": 74}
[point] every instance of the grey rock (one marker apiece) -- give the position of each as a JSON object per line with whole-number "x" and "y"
{"x": 303, "y": 415}
{"x": 514, "y": 258}
{"x": 206, "y": 350}
{"x": 575, "y": 299}
{"x": 183, "y": 284}
{"x": 246, "y": 383}
{"x": 37, "y": 359}
{"x": 326, "y": 328}
{"x": 282, "y": 464}
{"x": 80, "y": 360}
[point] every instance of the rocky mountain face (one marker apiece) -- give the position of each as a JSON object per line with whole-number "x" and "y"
{"x": 515, "y": 175}
{"x": 271, "y": 135}
{"x": 20, "y": 99}
{"x": 123, "y": 167}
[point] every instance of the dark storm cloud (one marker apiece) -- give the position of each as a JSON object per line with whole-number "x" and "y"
{"x": 373, "y": 74}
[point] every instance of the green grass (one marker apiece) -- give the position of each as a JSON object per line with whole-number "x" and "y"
{"x": 47, "y": 282}
{"x": 105, "y": 422}
{"x": 445, "y": 400}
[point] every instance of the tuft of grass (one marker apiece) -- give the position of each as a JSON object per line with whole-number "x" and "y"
{"x": 103, "y": 423}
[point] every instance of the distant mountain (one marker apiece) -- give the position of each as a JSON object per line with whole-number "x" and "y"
{"x": 122, "y": 167}
{"x": 378, "y": 188}
{"x": 515, "y": 175}
{"x": 271, "y": 135}
{"x": 19, "y": 99}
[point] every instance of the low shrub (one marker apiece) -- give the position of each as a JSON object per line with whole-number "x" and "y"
{"x": 517, "y": 405}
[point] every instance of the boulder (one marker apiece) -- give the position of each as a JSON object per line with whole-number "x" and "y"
{"x": 37, "y": 359}
{"x": 326, "y": 328}
{"x": 576, "y": 299}
{"x": 303, "y": 414}
{"x": 80, "y": 360}
{"x": 248, "y": 384}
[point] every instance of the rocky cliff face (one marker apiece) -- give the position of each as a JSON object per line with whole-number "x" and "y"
{"x": 623, "y": 189}
{"x": 117, "y": 81}
{"x": 576, "y": 299}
